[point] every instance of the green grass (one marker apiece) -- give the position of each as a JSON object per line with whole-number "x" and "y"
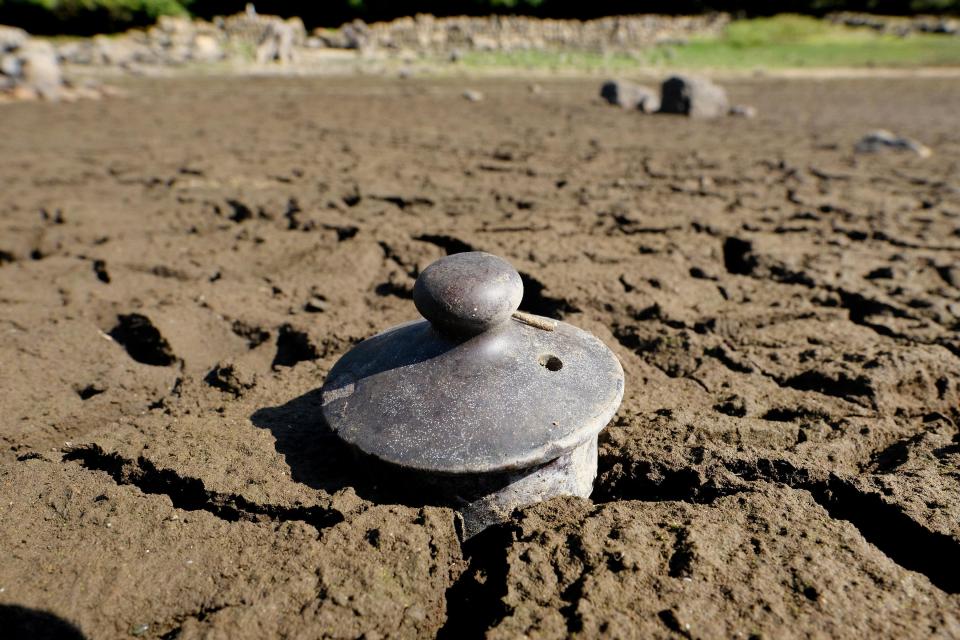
{"x": 801, "y": 41}
{"x": 784, "y": 41}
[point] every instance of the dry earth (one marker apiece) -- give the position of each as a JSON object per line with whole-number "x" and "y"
{"x": 180, "y": 268}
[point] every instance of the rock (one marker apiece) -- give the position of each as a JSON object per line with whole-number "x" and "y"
{"x": 693, "y": 96}
{"x": 23, "y": 93}
{"x": 472, "y": 96}
{"x": 41, "y": 69}
{"x": 10, "y": 65}
{"x": 950, "y": 275}
{"x": 743, "y": 111}
{"x": 231, "y": 378}
{"x": 121, "y": 51}
{"x": 30, "y": 69}
{"x": 899, "y": 26}
{"x": 354, "y": 35}
{"x": 278, "y": 42}
{"x": 882, "y": 139}
{"x": 628, "y": 95}
{"x": 316, "y": 304}
{"x": 206, "y": 48}
{"x": 650, "y": 103}
{"x": 12, "y": 38}
{"x": 298, "y": 29}
{"x": 76, "y": 52}
{"x": 175, "y": 24}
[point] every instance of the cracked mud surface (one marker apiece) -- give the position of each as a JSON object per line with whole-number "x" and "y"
{"x": 180, "y": 269}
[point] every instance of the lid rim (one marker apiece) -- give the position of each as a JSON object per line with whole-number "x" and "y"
{"x": 522, "y": 464}
{"x": 357, "y": 433}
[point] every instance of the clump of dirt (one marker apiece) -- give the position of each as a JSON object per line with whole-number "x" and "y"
{"x": 180, "y": 270}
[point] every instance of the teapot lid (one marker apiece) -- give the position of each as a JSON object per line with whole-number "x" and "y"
{"x": 476, "y": 387}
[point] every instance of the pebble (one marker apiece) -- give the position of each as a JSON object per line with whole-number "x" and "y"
{"x": 951, "y": 275}
{"x": 743, "y": 111}
{"x": 472, "y": 96}
{"x": 316, "y": 304}
{"x": 881, "y": 140}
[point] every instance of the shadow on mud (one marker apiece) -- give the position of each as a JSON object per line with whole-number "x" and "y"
{"x": 23, "y": 623}
{"x": 320, "y": 460}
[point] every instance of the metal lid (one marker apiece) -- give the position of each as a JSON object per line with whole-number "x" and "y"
{"x": 475, "y": 388}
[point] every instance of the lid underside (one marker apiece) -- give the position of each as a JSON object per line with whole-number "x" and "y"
{"x": 509, "y": 398}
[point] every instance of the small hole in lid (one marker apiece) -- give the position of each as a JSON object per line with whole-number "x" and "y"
{"x": 552, "y": 363}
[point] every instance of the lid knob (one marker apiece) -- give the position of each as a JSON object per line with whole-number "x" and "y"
{"x": 468, "y": 293}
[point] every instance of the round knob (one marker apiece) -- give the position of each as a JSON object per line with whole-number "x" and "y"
{"x": 468, "y": 293}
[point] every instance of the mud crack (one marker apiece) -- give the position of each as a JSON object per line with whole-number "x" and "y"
{"x": 902, "y": 539}
{"x": 886, "y": 526}
{"x": 199, "y": 616}
{"x": 190, "y": 494}
{"x": 475, "y": 601}
{"x": 650, "y": 481}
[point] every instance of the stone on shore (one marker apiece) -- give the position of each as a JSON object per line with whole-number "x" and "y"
{"x": 628, "y": 95}
{"x": 743, "y": 111}
{"x": 693, "y": 96}
{"x": 12, "y": 38}
{"x": 883, "y": 140}
{"x": 30, "y": 70}
{"x": 40, "y": 69}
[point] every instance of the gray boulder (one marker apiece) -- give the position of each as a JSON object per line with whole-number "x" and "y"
{"x": 12, "y": 38}
{"x": 628, "y": 95}
{"x": 76, "y": 52}
{"x": 356, "y": 35}
{"x": 121, "y": 51}
{"x": 41, "y": 69}
{"x": 10, "y": 65}
{"x": 277, "y": 43}
{"x": 693, "y": 96}
{"x": 206, "y": 48}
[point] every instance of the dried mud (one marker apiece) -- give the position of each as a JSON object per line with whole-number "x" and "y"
{"x": 180, "y": 268}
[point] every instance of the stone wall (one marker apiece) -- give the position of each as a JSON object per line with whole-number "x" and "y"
{"x": 177, "y": 41}
{"x": 512, "y": 33}
{"x": 30, "y": 69}
{"x": 897, "y": 25}
{"x": 249, "y": 36}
